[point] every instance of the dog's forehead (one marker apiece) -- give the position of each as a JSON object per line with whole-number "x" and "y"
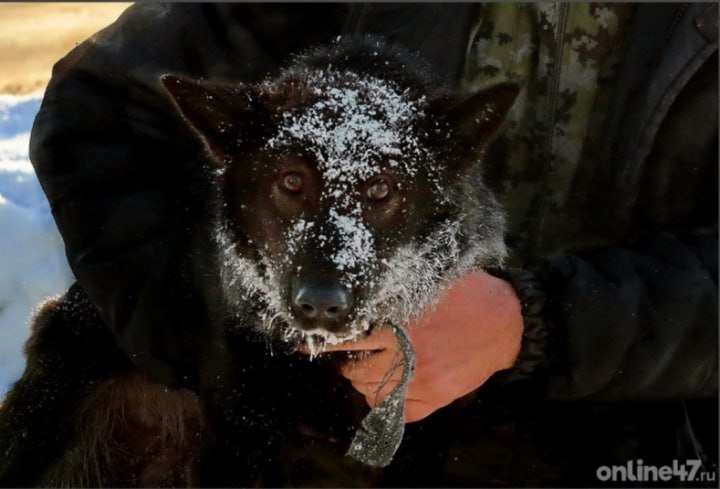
{"x": 354, "y": 127}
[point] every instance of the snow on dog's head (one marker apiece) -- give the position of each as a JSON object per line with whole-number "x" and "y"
{"x": 351, "y": 187}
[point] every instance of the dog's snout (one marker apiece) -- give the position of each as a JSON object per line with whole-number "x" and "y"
{"x": 322, "y": 302}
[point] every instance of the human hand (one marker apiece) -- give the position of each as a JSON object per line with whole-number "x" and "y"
{"x": 474, "y": 331}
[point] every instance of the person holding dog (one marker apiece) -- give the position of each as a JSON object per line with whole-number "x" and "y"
{"x": 605, "y": 277}
{"x": 596, "y": 346}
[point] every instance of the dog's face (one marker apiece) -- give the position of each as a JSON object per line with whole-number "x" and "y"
{"x": 347, "y": 197}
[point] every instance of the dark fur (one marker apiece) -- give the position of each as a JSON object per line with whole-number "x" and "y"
{"x": 439, "y": 221}
{"x": 82, "y": 416}
{"x": 262, "y": 415}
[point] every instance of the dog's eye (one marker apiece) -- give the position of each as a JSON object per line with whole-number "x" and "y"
{"x": 291, "y": 181}
{"x": 379, "y": 189}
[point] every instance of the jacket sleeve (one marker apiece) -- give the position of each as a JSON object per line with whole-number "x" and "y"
{"x": 633, "y": 322}
{"x": 121, "y": 171}
{"x": 634, "y": 316}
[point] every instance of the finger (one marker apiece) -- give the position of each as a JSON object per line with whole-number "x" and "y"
{"x": 381, "y": 391}
{"x": 372, "y": 396}
{"x": 415, "y": 409}
{"x": 379, "y": 339}
{"x": 377, "y": 391}
{"x": 373, "y": 368}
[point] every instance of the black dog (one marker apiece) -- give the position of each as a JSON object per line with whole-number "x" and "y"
{"x": 351, "y": 193}
{"x": 348, "y": 196}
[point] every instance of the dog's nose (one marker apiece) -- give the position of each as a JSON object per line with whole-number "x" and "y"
{"x": 322, "y": 302}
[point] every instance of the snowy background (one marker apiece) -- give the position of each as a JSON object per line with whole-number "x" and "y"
{"x": 33, "y": 36}
{"x": 32, "y": 259}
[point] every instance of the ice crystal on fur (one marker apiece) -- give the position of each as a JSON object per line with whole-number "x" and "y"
{"x": 411, "y": 282}
{"x": 242, "y": 278}
{"x": 353, "y": 128}
{"x": 356, "y": 251}
{"x": 356, "y": 126}
{"x": 415, "y": 276}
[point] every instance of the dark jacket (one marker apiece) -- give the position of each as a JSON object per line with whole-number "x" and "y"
{"x": 622, "y": 312}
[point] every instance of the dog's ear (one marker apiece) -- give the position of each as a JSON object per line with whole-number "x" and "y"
{"x": 476, "y": 119}
{"x": 218, "y": 113}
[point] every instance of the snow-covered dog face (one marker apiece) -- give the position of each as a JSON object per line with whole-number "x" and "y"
{"x": 349, "y": 192}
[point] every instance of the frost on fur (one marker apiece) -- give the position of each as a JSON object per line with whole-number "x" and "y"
{"x": 356, "y": 127}
{"x": 339, "y": 119}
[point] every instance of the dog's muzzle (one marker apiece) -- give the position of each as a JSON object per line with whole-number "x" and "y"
{"x": 318, "y": 305}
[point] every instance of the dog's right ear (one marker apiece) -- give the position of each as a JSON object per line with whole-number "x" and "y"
{"x": 477, "y": 119}
{"x": 214, "y": 111}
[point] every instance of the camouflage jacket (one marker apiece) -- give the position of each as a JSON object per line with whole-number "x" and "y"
{"x": 597, "y": 80}
{"x": 565, "y": 57}
{"x": 608, "y": 170}
{"x": 610, "y": 147}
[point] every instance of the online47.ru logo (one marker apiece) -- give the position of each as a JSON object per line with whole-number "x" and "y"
{"x": 635, "y": 470}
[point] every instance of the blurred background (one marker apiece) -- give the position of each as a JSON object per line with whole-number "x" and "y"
{"x": 33, "y": 36}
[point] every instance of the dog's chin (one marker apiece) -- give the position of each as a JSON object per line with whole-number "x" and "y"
{"x": 315, "y": 341}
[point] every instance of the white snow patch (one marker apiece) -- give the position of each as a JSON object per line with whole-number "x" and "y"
{"x": 357, "y": 248}
{"x": 242, "y": 278}
{"x": 357, "y": 128}
{"x": 32, "y": 258}
{"x": 416, "y": 275}
{"x": 359, "y": 125}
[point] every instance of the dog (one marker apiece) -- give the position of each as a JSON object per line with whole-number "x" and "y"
{"x": 346, "y": 194}
{"x": 351, "y": 192}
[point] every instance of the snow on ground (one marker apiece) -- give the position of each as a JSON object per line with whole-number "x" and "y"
{"x": 32, "y": 259}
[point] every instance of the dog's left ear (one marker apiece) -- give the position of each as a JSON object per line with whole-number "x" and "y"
{"x": 476, "y": 119}
{"x": 216, "y": 112}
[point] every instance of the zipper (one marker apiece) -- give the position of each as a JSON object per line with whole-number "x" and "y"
{"x": 553, "y": 92}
